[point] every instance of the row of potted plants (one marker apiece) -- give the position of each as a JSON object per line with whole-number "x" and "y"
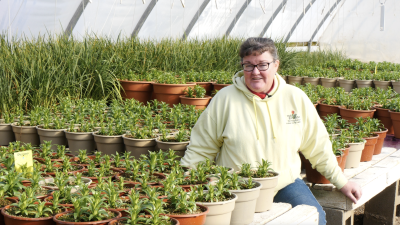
{"x": 140, "y": 189}
{"x": 363, "y": 102}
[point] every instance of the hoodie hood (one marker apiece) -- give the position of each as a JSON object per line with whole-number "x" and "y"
{"x": 238, "y": 81}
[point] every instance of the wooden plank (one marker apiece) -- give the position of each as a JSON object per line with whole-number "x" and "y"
{"x": 301, "y": 214}
{"x": 276, "y": 210}
{"x": 393, "y": 175}
{"x": 369, "y": 190}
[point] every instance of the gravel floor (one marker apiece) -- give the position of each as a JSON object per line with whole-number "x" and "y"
{"x": 359, "y": 214}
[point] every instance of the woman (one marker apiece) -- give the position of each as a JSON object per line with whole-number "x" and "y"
{"x": 262, "y": 117}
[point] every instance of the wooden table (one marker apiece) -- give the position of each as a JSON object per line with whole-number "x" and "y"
{"x": 379, "y": 180}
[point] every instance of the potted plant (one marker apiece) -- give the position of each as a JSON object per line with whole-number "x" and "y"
{"x": 396, "y": 81}
{"x": 4, "y": 201}
{"x": 364, "y": 79}
{"x": 109, "y": 140}
{"x": 90, "y": 210}
{"x": 355, "y": 107}
{"x": 295, "y": 77}
{"x": 356, "y": 143}
{"x": 182, "y": 207}
{"x": 383, "y": 99}
{"x": 395, "y": 116}
{"x": 202, "y": 79}
{"x": 223, "y": 79}
{"x": 30, "y": 211}
{"x": 311, "y": 77}
{"x": 80, "y": 138}
{"x": 177, "y": 142}
{"x": 218, "y": 200}
{"x": 139, "y": 141}
{"x": 52, "y": 130}
{"x": 137, "y": 86}
{"x": 331, "y": 98}
{"x": 25, "y": 130}
{"x": 365, "y": 130}
{"x": 348, "y": 81}
{"x": 247, "y": 192}
{"x": 380, "y": 130}
{"x": 383, "y": 79}
{"x": 195, "y": 96}
{"x": 329, "y": 78}
{"x": 168, "y": 88}
{"x": 6, "y": 132}
{"x": 268, "y": 178}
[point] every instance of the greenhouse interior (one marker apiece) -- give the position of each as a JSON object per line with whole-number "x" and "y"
{"x": 192, "y": 112}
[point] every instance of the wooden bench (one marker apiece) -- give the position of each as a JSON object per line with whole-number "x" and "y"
{"x": 379, "y": 179}
{"x": 283, "y": 213}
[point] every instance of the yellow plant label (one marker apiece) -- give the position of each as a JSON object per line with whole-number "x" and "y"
{"x": 23, "y": 159}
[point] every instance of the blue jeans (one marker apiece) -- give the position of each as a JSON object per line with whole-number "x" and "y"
{"x": 298, "y": 193}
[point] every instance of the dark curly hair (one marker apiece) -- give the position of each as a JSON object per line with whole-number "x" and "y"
{"x": 258, "y": 45}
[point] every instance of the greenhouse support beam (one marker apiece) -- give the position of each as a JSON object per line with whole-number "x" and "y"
{"x": 237, "y": 17}
{"x": 144, "y": 17}
{"x": 283, "y": 3}
{"x": 195, "y": 18}
{"x": 325, "y": 18}
{"x": 75, "y": 17}
{"x": 298, "y": 20}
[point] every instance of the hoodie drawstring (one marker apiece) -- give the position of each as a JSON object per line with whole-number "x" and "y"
{"x": 270, "y": 120}
{"x": 255, "y": 111}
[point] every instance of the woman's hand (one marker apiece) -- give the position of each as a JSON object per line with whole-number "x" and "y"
{"x": 352, "y": 190}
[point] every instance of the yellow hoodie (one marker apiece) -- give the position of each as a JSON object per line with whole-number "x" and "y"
{"x": 243, "y": 128}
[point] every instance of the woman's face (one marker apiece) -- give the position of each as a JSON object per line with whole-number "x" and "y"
{"x": 256, "y": 80}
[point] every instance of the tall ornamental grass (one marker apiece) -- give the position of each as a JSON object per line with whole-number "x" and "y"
{"x": 39, "y": 72}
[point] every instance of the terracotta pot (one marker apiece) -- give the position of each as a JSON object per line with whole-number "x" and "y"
{"x": 384, "y": 116}
{"x": 220, "y": 212}
{"x": 379, "y": 143}
{"x": 80, "y": 141}
{"x": 364, "y": 83}
{"x": 26, "y": 134}
{"x": 245, "y": 205}
{"x": 56, "y": 136}
{"x": 315, "y": 105}
{"x": 139, "y": 90}
{"x": 6, "y": 134}
{"x": 94, "y": 179}
{"x": 311, "y": 80}
{"x": 1, "y": 215}
{"x": 266, "y": 198}
{"x": 396, "y": 86}
{"x": 66, "y": 206}
{"x": 347, "y": 85}
{"x": 170, "y": 93}
{"x": 369, "y": 148}
{"x": 138, "y": 146}
{"x": 295, "y": 80}
{"x": 16, "y": 220}
{"x": 314, "y": 176}
{"x": 324, "y": 110}
{"x": 382, "y": 84}
{"x": 351, "y": 115}
{"x": 395, "y": 116}
{"x": 328, "y": 82}
{"x": 103, "y": 222}
{"x": 218, "y": 87}
{"x": 192, "y": 219}
{"x": 355, "y": 151}
{"x": 178, "y": 147}
{"x": 109, "y": 144}
{"x": 206, "y": 85}
{"x": 200, "y": 103}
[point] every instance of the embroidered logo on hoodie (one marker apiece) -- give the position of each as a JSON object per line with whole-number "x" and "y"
{"x": 293, "y": 118}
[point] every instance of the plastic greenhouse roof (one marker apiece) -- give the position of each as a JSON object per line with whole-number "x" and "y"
{"x": 345, "y": 24}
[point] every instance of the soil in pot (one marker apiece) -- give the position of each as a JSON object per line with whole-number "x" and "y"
{"x": 324, "y": 110}
{"x": 56, "y": 136}
{"x": 355, "y": 151}
{"x": 138, "y": 147}
{"x": 16, "y": 220}
{"x": 80, "y": 141}
{"x": 379, "y": 143}
{"x": 369, "y": 148}
{"x": 192, "y": 219}
{"x": 245, "y": 205}
{"x": 26, "y": 134}
{"x": 384, "y": 116}
{"x": 200, "y": 103}
{"x": 59, "y": 219}
{"x": 5, "y": 201}
{"x": 351, "y": 115}
{"x": 6, "y": 134}
{"x": 396, "y": 123}
{"x": 139, "y": 90}
{"x": 109, "y": 144}
{"x": 220, "y": 212}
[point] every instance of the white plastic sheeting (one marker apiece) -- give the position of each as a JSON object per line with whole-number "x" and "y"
{"x": 355, "y": 29}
